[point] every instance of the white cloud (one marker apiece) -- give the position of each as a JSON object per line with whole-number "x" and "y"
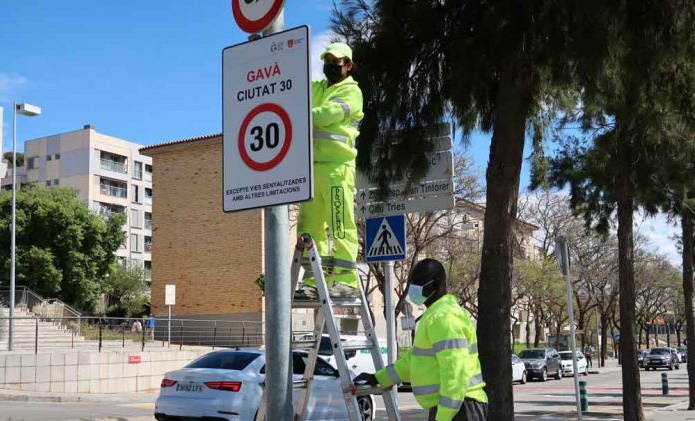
{"x": 319, "y": 42}
{"x": 9, "y": 84}
{"x": 660, "y": 232}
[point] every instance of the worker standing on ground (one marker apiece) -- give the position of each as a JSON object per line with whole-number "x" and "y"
{"x": 442, "y": 366}
{"x": 336, "y": 113}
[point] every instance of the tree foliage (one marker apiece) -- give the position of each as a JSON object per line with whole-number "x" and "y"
{"x": 63, "y": 249}
{"x": 125, "y": 290}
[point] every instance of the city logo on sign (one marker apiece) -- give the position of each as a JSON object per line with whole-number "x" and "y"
{"x": 385, "y": 238}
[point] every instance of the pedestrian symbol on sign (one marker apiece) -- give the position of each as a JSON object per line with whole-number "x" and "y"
{"x": 386, "y": 238}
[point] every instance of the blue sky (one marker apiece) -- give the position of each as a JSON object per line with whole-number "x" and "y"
{"x": 144, "y": 71}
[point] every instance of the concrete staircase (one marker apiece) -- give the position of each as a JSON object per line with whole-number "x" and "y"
{"x": 50, "y": 334}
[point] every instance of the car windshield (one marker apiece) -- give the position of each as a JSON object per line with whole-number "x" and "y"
{"x": 532, "y": 353}
{"x": 225, "y": 360}
{"x": 659, "y": 351}
{"x": 566, "y": 356}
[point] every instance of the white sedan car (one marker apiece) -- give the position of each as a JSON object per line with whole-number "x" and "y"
{"x": 568, "y": 368}
{"x": 227, "y": 385}
{"x": 518, "y": 370}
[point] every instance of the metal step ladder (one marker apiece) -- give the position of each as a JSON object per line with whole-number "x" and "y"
{"x": 325, "y": 317}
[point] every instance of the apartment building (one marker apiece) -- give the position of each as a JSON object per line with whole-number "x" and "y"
{"x": 110, "y": 175}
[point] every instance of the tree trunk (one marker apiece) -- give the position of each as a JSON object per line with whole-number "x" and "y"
{"x": 668, "y": 335}
{"x": 495, "y": 289}
{"x": 604, "y": 339}
{"x": 687, "y": 225}
{"x": 528, "y": 329}
{"x": 625, "y": 189}
{"x": 678, "y": 336}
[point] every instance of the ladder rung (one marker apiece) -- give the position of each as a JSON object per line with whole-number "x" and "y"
{"x": 337, "y": 302}
{"x": 303, "y": 344}
{"x": 299, "y": 384}
{"x": 357, "y": 345}
{"x": 368, "y": 390}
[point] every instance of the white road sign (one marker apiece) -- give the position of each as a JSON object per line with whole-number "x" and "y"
{"x": 254, "y": 16}
{"x": 398, "y": 192}
{"x": 440, "y": 166}
{"x": 169, "y": 295}
{"x": 395, "y": 207}
{"x": 266, "y": 108}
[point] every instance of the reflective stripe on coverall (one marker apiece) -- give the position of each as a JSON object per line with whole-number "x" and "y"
{"x": 442, "y": 366}
{"x": 336, "y": 112}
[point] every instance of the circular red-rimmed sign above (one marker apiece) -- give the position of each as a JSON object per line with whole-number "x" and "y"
{"x": 254, "y": 16}
{"x": 279, "y": 116}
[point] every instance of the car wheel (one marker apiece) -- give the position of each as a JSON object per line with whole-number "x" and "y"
{"x": 523, "y": 377}
{"x": 558, "y": 376}
{"x": 366, "y": 405}
{"x": 544, "y": 375}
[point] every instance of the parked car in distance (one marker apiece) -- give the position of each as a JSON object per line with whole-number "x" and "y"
{"x": 678, "y": 354}
{"x": 227, "y": 385}
{"x": 359, "y": 361}
{"x": 541, "y": 363}
{"x": 641, "y": 356}
{"x": 518, "y": 370}
{"x": 661, "y": 358}
{"x": 568, "y": 367}
{"x": 684, "y": 353}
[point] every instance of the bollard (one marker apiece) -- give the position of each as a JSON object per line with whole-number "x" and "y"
{"x": 664, "y": 383}
{"x": 582, "y": 396}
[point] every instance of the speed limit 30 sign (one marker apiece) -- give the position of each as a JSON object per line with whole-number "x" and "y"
{"x": 266, "y": 106}
{"x": 254, "y": 16}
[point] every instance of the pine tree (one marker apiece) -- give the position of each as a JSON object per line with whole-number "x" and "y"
{"x": 504, "y": 67}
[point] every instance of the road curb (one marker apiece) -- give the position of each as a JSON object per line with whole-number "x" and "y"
{"x": 23, "y": 396}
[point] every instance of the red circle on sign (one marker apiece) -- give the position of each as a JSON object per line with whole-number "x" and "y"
{"x": 268, "y": 165}
{"x": 255, "y": 26}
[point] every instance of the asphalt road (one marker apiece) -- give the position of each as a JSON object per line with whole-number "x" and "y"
{"x": 552, "y": 400}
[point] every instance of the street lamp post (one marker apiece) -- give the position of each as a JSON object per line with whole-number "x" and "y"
{"x": 29, "y": 111}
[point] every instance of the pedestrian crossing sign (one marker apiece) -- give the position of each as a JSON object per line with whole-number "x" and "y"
{"x": 385, "y": 239}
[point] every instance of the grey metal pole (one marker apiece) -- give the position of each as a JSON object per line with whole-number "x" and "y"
{"x": 169, "y": 327}
{"x": 10, "y": 337}
{"x": 278, "y": 301}
{"x": 562, "y": 253}
{"x": 390, "y": 319}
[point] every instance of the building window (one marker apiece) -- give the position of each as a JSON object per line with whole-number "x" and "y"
{"x": 56, "y": 182}
{"x": 148, "y": 270}
{"x": 113, "y": 162}
{"x": 137, "y": 170}
{"x": 148, "y": 172}
{"x": 148, "y": 243}
{"x": 148, "y": 196}
{"x": 136, "y": 194}
{"x": 113, "y": 188}
{"x": 135, "y": 218}
{"x": 57, "y": 156}
{"x": 106, "y": 210}
{"x": 135, "y": 243}
{"x": 148, "y": 221}
{"x": 31, "y": 163}
{"x": 49, "y": 157}
{"x": 48, "y": 183}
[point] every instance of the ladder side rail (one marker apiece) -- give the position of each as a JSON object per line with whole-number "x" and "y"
{"x": 310, "y": 366}
{"x": 336, "y": 343}
{"x": 389, "y": 396}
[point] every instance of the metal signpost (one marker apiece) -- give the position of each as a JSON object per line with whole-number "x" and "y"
{"x": 434, "y": 192}
{"x": 268, "y": 160}
{"x": 562, "y": 253}
{"x": 169, "y": 301}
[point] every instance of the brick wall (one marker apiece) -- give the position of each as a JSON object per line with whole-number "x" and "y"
{"x": 213, "y": 258}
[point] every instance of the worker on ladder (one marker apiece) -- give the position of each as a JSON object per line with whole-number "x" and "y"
{"x": 442, "y": 366}
{"x": 336, "y": 113}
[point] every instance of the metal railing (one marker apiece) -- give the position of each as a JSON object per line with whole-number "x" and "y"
{"x": 47, "y": 309}
{"x": 113, "y": 191}
{"x": 148, "y": 224}
{"x": 115, "y": 166}
{"x": 148, "y": 176}
{"x": 97, "y": 333}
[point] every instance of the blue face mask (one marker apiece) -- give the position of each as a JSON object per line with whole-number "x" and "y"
{"x": 415, "y": 294}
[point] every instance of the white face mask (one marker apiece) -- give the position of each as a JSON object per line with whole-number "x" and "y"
{"x": 415, "y": 293}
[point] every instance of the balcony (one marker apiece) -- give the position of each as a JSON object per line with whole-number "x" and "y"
{"x": 115, "y": 166}
{"x": 113, "y": 191}
{"x": 148, "y": 224}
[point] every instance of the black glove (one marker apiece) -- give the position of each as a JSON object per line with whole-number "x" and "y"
{"x": 367, "y": 378}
